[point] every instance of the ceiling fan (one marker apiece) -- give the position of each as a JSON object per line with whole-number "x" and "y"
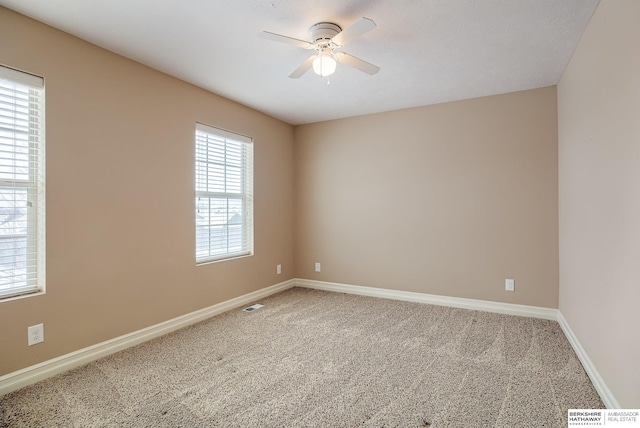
{"x": 327, "y": 38}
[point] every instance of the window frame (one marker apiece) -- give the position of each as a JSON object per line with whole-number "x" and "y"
{"x": 33, "y": 88}
{"x": 211, "y": 138}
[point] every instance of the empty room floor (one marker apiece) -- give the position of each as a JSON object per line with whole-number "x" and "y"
{"x": 316, "y": 358}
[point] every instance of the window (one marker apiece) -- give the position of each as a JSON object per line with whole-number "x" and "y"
{"x": 22, "y": 178}
{"x": 224, "y": 194}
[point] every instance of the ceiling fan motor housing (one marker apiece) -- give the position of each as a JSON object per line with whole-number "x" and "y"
{"x": 323, "y": 32}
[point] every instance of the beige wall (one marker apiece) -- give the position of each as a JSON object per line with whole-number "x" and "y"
{"x": 120, "y": 197}
{"x": 449, "y": 199}
{"x": 599, "y": 186}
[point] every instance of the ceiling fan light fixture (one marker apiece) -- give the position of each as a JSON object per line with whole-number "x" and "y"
{"x": 324, "y": 65}
{"x": 326, "y": 37}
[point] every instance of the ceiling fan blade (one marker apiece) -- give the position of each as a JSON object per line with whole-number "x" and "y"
{"x": 285, "y": 39}
{"x": 304, "y": 67}
{"x": 354, "y": 31}
{"x": 356, "y": 63}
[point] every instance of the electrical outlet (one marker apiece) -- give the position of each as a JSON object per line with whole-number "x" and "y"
{"x": 317, "y": 267}
{"x": 278, "y": 269}
{"x": 509, "y": 284}
{"x": 35, "y": 334}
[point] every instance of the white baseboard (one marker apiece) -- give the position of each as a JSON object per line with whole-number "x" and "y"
{"x": 605, "y": 393}
{"x": 44, "y": 370}
{"x": 455, "y": 302}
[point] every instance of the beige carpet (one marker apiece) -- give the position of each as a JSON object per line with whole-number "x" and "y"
{"x": 318, "y": 359}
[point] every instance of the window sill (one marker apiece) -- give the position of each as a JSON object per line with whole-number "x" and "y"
{"x": 22, "y": 296}
{"x": 224, "y": 258}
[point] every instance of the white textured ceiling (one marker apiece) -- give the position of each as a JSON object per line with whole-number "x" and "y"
{"x": 429, "y": 51}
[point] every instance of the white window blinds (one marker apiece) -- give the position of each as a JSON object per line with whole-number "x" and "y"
{"x": 224, "y": 194}
{"x": 22, "y": 183}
